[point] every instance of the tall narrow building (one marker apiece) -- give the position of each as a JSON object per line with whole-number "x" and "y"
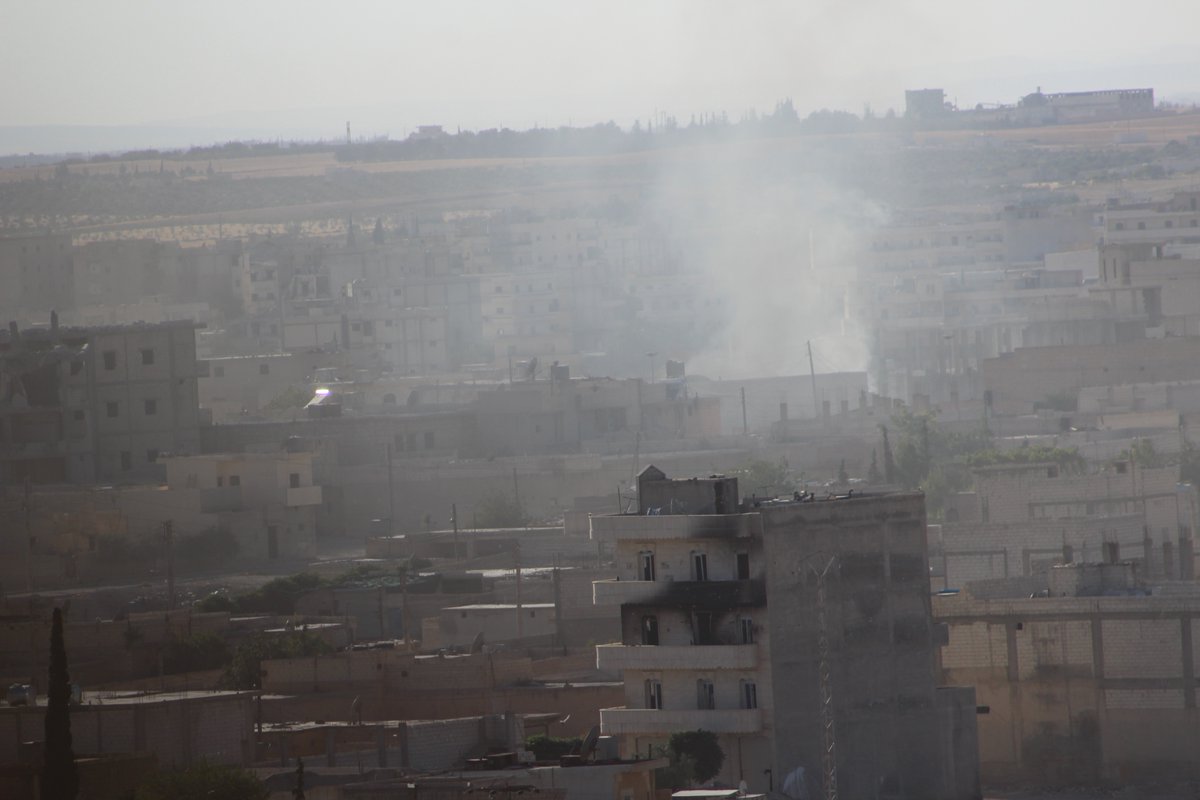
{"x": 720, "y": 632}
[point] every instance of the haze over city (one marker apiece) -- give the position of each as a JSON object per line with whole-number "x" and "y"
{"x": 599, "y": 401}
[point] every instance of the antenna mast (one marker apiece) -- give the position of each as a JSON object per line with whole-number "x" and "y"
{"x": 828, "y": 733}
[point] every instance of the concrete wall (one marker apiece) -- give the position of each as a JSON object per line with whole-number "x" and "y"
{"x": 881, "y": 644}
{"x": 1079, "y": 690}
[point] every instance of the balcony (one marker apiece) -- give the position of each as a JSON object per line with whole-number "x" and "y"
{"x": 649, "y": 721}
{"x": 676, "y": 526}
{"x": 716, "y": 595}
{"x": 303, "y": 496}
{"x": 616, "y": 657}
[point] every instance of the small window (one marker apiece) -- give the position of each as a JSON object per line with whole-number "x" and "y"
{"x": 646, "y": 566}
{"x": 147, "y": 355}
{"x": 706, "y": 629}
{"x": 294, "y": 480}
{"x": 699, "y": 567}
{"x": 112, "y": 408}
{"x": 264, "y": 369}
{"x": 76, "y": 367}
{"x": 126, "y": 460}
{"x": 110, "y": 359}
{"x": 749, "y": 694}
{"x": 747, "y": 625}
{"x": 706, "y": 695}
{"x": 743, "y": 566}
{"x": 654, "y": 698}
{"x": 235, "y": 480}
{"x": 650, "y": 630}
{"x": 151, "y": 407}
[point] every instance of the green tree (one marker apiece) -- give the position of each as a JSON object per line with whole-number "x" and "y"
{"x": 245, "y": 668}
{"x": 197, "y": 652}
{"x": 766, "y": 479}
{"x": 500, "y": 511}
{"x": 60, "y": 776}
{"x": 202, "y": 782}
{"x": 889, "y": 462}
{"x": 551, "y": 748}
{"x": 698, "y": 753}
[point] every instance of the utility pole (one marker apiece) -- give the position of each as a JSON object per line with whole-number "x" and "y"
{"x": 828, "y": 733}
{"x": 391, "y": 493}
{"x": 812, "y": 373}
{"x": 454, "y": 520}
{"x": 745, "y": 427}
{"x": 28, "y": 507}
{"x": 168, "y": 538}
{"x": 516, "y": 492}
{"x": 520, "y": 622}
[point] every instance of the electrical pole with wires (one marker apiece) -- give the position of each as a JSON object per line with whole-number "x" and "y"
{"x": 829, "y": 776}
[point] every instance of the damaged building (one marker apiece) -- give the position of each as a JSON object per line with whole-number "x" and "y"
{"x": 722, "y": 603}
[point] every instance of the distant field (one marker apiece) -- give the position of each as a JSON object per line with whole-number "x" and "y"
{"x": 497, "y": 182}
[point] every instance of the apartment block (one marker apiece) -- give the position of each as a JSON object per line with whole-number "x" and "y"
{"x": 97, "y": 404}
{"x": 721, "y": 602}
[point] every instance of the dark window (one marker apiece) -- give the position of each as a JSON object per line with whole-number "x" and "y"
{"x": 112, "y": 408}
{"x": 749, "y": 694}
{"x": 699, "y": 567}
{"x": 646, "y": 566}
{"x": 743, "y": 566}
{"x": 706, "y": 696}
{"x": 147, "y": 355}
{"x": 650, "y": 630}
{"x": 76, "y": 367}
{"x": 294, "y": 480}
{"x": 151, "y": 407}
{"x": 110, "y": 359}
{"x": 654, "y": 698}
{"x": 235, "y": 480}
{"x": 126, "y": 460}
{"x": 705, "y": 628}
{"x": 747, "y": 630}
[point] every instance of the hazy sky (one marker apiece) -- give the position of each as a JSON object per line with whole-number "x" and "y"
{"x": 297, "y": 67}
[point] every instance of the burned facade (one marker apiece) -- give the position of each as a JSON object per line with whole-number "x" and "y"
{"x": 719, "y": 605}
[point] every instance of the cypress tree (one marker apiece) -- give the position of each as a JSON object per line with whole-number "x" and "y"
{"x": 60, "y": 778}
{"x": 889, "y": 463}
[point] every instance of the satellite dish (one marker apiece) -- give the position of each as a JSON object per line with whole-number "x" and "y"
{"x": 477, "y": 643}
{"x": 589, "y": 743}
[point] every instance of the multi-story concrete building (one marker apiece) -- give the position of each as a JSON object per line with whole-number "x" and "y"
{"x": 37, "y": 274}
{"x": 1021, "y": 517}
{"x": 721, "y": 605}
{"x": 96, "y": 404}
{"x": 1176, "y": 219}
{"x": 1080, "y": 688}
